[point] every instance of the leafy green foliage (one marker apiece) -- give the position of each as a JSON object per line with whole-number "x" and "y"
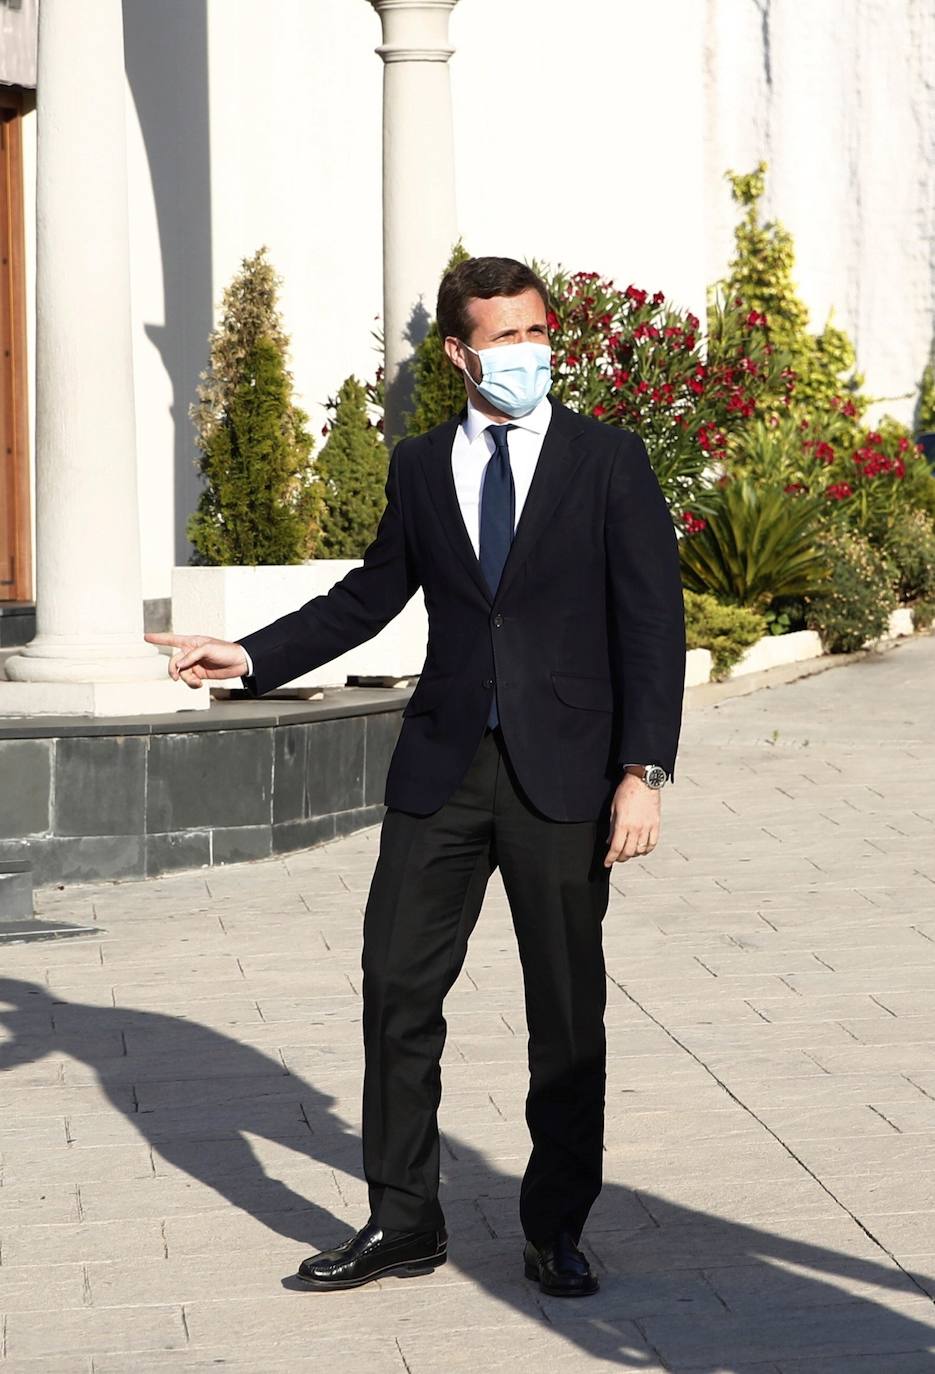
{"x": 760, "y": 274}
{"x": 855, "y": 604}
{"x": 925, "y": 408}
{"x": 911, "y": 546}
{"x": 634, "y": 360}
{"x": 438, "y": 391}
{"x": 753, "y": 543}
{"x": 726, "y": 630}
{"x": 352, "y": 469}
{"x": 260, "y": 503}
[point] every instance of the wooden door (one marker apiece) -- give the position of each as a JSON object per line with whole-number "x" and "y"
{"x": 15, "y": 544}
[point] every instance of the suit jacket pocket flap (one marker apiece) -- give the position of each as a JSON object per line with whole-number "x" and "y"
{"x": 591, "y": 693}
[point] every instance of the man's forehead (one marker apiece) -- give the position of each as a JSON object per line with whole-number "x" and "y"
{"x": 527, "y": 307}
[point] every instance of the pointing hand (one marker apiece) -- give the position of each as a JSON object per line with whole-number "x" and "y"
{"x": 201, "y": 657}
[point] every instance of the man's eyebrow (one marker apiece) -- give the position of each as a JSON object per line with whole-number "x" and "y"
{"x": 504, "y": 332}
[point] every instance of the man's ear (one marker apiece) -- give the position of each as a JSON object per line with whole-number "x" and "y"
{"x": 455, "y": 353}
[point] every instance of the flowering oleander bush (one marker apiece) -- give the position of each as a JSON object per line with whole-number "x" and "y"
{"x": 633, "y": 359}
{"x": 868, "y": 479}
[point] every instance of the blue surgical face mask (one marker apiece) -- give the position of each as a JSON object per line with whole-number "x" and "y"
{"x": 514, "y": 377}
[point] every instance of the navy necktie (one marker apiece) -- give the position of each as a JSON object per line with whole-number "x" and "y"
{"x": 498, "y": 506}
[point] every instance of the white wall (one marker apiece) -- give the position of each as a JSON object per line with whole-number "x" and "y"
{"x": 579, "y": 136}
{"x": 244, "y": 132}
{"x": 837, "y": 97}
{"x": 593, "y": 133}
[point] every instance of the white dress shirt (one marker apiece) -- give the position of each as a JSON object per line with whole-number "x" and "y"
{"x": 472, "y": 449}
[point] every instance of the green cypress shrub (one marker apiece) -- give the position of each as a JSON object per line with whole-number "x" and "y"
{"x": 261, "y": 502}
{"x": 352, "y": 469}
{"x": 438, "y": 390}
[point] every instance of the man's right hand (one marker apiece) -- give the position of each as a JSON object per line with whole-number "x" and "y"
{"x": 202, "y": 657}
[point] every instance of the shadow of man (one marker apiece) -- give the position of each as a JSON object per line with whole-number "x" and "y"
{"x": 686, "y": 1289}
{"x": 680, "y": 1287}
{"x": 194, "y": 1094}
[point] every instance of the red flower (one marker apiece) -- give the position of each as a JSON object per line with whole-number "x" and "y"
{"x": 598, "y": 411}
{"x": 693, "y": 321}
{"x": 839, "y": 491}
{"x": 692, "y": 523}
{"x": 551, "y": 320}
{"x": 754, "y": 319}
{"x": 571, "y": 360}
{"x": 658, "y": 298}
{"x": 875, "y": 437}
{"x": 824, "y": 453}
{"x": 794, "y": 488}
{"x": 634, "y": 293}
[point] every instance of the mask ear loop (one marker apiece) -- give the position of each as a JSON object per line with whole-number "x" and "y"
{"x": 478, "y": 357}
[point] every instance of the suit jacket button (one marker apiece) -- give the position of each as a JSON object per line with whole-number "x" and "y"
{"x": 487, "y": 682}
{"x": 498, "y": 620}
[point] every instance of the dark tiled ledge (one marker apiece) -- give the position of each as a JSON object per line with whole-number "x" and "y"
{"x": 237, "y": 713}
{"x": 86, "y": 799}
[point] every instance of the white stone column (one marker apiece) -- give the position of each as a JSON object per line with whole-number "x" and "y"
{"x": 419, "y": 220}
{"x": 89, "y": 656}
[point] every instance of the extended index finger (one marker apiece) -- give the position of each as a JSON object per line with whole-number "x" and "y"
{"x": 163, "y": 637}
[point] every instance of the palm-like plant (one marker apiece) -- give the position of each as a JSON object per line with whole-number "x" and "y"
{"x": 758, "y": 543}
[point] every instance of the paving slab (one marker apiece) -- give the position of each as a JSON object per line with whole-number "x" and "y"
{"x": 179, "y": 1111}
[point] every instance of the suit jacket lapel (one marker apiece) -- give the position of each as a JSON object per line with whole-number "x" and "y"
{"x": 440, "y": 480}
{"x": 554, "y": 469}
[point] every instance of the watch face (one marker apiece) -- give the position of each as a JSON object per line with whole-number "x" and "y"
{"x": 655, "y": 775}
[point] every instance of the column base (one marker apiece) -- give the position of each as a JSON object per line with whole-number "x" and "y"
{"x": 141, "y": 698}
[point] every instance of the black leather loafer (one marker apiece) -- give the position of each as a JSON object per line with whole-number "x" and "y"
{"x": 370, "y": 1255}
{"x": 560, "y": 1268}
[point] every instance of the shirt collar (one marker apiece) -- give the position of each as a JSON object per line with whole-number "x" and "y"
{"x": 537, "y": 421}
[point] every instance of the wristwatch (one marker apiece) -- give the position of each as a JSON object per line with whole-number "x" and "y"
{"x": 653, "y": 774}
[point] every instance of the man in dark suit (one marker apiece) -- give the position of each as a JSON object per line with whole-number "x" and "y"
{"x": 543, "y": 725}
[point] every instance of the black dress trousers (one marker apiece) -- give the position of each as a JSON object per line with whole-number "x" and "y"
{"x": 424, "y": 900}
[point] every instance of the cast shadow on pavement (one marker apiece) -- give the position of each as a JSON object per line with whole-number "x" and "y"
{"x": 680, "y": 1287}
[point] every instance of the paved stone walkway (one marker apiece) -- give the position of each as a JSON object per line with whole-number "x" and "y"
{"x": 179, "y": 1111}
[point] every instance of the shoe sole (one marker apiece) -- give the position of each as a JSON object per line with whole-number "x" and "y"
{"x": 404, "y": 1269}
{"x": 533, "y": 1274}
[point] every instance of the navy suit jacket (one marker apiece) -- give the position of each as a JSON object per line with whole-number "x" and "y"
{"x": 585, "y": 638}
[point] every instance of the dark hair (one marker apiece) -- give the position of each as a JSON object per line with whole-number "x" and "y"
{"x": 484, "y": 278}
